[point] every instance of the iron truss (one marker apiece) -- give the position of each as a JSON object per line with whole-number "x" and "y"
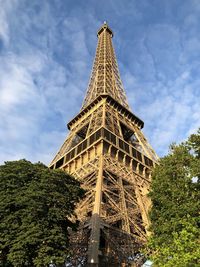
{"x": 107, "y": 151}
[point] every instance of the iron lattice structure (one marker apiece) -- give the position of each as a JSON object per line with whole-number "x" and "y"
{"x": 107, "y": 151}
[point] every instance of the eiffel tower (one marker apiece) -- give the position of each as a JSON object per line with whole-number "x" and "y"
{"x": 107, "y": 151}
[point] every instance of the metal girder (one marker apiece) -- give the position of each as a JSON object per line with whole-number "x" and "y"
{"x": 107, "y": 152}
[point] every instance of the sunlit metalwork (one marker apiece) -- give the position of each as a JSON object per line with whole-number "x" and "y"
{"x": 107, "y": 151}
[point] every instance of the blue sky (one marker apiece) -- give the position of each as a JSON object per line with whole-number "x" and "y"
{"x": 46, "y": 53}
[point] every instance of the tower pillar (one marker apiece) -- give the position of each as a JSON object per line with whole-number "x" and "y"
{"x": 94, "y": 242}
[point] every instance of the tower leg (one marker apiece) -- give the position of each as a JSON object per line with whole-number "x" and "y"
{"x": 93, "y": 251}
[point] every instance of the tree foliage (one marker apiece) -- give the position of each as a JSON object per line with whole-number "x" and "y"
{"x": 35, "y": 206}
{"x": 175, "y": 206}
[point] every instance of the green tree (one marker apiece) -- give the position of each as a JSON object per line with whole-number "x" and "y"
{"x": 175, "y": 207}
{"x": 35, "y": 206}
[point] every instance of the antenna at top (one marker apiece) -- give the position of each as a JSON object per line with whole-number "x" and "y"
{"x": 103, "y": 28}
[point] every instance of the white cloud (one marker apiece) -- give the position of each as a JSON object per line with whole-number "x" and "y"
{"x": 175, "y": 115}
{"x": 38, "y": 94}
{"x": 27, "y": 99}
{"x": 6, "y": 9}
{"x": 163, "y": 82}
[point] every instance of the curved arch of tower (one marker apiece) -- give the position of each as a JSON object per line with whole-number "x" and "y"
{"x": 107, "y": 151}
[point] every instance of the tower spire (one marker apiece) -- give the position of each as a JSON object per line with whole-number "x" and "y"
{"x": 104, "y": 27}
{"x": 105, "y": 77}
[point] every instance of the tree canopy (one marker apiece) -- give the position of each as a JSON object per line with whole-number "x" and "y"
{"x": 175, "y": 206}
{"x": 35, "y": 206}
